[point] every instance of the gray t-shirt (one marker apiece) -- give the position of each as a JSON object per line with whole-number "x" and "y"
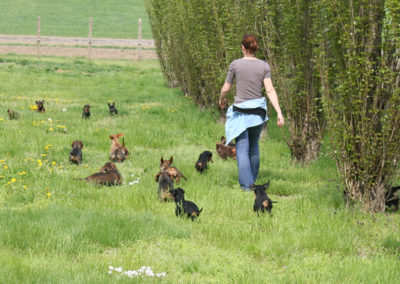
{"x": 250, "y": 74}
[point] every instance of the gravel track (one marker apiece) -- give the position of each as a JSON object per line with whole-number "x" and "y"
{"x": 106, "y": 48}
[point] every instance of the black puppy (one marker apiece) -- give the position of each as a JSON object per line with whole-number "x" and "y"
{"x": 165, "y": 187}
{"x": 392, "y": 197}
{"x": 262, "y": 201}
{"x": 112, "y": 108}
{"x": 189, "y": 207}
{"x": 86, "y": 111}
{"x": 75, "y": 156}
{"x": 204, "y": 158}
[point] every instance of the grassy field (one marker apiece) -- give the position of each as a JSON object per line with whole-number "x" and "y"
{"x": 55, "y": 228}
{"x": 115, "y": 19}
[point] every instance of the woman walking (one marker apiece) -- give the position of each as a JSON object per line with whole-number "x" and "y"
{"x": 246, "y": 116}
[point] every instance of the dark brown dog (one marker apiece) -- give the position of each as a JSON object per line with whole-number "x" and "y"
{"x": 12, "y": 114}
{"x": 75, "y": 156}
{"x": 113, "y": 110}
{"x": 225, "y": 151}
{"x": 40, "y": 106}
{"x": 86, "y": 111}
{"x": 118, "y": 152}
{"x": 203, "y": 160}
{"x": 107, "y": 175}
{"x": 165, "y": 187}
{"x": 392, "y": 197}
{"x": 262, "y": 201}
{"x": 173, "y": 172}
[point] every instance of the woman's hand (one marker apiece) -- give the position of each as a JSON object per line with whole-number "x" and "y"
{"x": 222, "y": 103}
{"x": 280, "y": 120}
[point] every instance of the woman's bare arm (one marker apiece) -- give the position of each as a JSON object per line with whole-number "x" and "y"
{"x": 273, "y": 98}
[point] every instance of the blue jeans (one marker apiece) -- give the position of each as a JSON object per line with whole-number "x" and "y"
{"x": 248, "y": 155}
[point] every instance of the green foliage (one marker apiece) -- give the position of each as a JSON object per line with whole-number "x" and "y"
{"x": 360, "y": 71}
{"x": 115, "y": 19}
{"x": 288, "y": 40}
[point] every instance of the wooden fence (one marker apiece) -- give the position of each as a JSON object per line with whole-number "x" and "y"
{"x": 39, "y": 40}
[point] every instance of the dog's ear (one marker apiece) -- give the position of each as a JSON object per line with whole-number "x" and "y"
{"x": 171, "y": 159}
{"x": 112, "y": 137}
{"x": 36, "y": 102}
{"x": 252, "y": 186}
{"x": 266, "y": 185}
{"x": 120, "y": 134}
{"x": 72, "y": 145}
{"x": 223, "y": 140}
{"x": 108, "y": 104}
{"x": 81, "y": 143}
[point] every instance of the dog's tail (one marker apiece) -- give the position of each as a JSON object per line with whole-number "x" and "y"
{"x": 274, "y": 201}
{"x": 183, "y": 176}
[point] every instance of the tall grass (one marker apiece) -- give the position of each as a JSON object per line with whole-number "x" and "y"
{"x": 56, "y": 228}
{"x": 115, "y": 19}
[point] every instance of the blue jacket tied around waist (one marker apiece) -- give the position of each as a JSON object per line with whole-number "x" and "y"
{"x": 237, "y": 122}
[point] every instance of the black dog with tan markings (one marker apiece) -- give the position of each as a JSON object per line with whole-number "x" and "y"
{"x": 188, "y": 207}
{"x": 262, "y": 201}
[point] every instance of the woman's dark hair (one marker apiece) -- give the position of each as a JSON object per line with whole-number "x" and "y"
{"x": 250, "y": 42}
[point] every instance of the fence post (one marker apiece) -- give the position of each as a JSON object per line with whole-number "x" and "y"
{"x": 90, "y": 36}
{"x": 38, "y": 37}
{"x": 139, "y": 50}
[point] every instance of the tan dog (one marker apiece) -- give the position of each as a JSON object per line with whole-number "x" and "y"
{"x": 174, "y": 173}
{"x": 107, "y": 175}
{"x": 118, "y": 152}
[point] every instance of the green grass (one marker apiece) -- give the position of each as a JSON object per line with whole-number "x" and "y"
{"x": 56, "y": 228}
{"x": 115, "y": 19}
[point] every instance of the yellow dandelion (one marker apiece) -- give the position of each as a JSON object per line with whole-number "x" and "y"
{"x": 50, "y": 129}
{"x": 60, "y": 167}
{"x": 2, "y": 176}
{"x": 22, "y": 173}
{"x": 8, "y": 183}
{"x": 13, "y": 180}
{"x": 48, "y": 194}
{"x": 53, "y": 163}
{"x": 46, "y": 147}
{"x": 39, "y": 162}
{"x": 25, "y": 187}
{"x": 33, "y": 107}
{"x": 1, "y": 119}
{"x": 44, "y": 155}
{"x": 50, "y": 170}
{"x": 60, "y": 126}
{"x": 5, "y": 167}
{"x": 2, "y": 161}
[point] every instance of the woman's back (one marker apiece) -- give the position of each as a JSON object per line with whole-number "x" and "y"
{"x": 250, "y": 74}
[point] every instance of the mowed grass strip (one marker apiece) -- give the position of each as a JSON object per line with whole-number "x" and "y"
{"x": 54, "y": 227}
{"x": 112, "y": 19}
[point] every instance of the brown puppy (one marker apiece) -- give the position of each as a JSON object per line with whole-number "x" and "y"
{"x": 107, "y": 175}
{"x": 75, "y": 156}
{"x": 118, "y": 152}
{"x": 225, "y": 151}
{"x": 40, "y": 106}
{"x": 173, "y": 172}
{"x": 12, "y": 114}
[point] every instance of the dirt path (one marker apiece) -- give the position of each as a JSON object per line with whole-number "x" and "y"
{"x": 107, "y": 48}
